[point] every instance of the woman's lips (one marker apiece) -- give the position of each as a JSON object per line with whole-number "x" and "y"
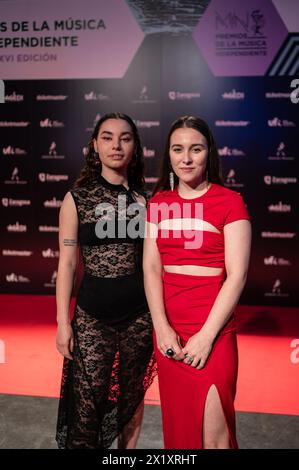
{"x": 116, "y": 156}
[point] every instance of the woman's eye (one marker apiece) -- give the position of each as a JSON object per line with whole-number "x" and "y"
{"x": 197, "y": 149}
{"x": 126, "y": 139}
{"x": 177, "y": 149}
{"x": 106, "y": 138}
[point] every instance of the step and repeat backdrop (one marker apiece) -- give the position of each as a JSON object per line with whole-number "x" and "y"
{"x": 65, "y": 63}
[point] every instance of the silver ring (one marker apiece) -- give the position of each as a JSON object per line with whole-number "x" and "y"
{"x": 190, "y": 358}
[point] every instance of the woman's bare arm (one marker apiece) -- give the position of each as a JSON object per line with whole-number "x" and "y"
{"x": 237, "y": 236}
{"x": 68, "y": 234}
{"x": 237, "y": 242}
{"x": 152, "y": 268}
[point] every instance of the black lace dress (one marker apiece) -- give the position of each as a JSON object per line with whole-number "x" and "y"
{"x": 113, "y": 363}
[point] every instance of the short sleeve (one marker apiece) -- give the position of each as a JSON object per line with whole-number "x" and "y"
{"x": 236, "y": 209}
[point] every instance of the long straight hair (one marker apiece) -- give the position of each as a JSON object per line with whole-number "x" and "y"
{"x": 213, "y": 162}
{"x": 93, "y": 165}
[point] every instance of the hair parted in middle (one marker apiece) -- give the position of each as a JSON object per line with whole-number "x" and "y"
{"x": 93, "y": 165}
{"x": 213, "y": 163}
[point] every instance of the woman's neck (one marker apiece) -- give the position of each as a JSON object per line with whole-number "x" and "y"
{"x": 115, "y": 177}
{"x": 190, "y": 191}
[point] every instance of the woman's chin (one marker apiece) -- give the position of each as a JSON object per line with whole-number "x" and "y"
{"x": 117, "y": 164}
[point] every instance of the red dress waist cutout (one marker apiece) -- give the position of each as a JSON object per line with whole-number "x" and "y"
{"x": 203, "y": 246}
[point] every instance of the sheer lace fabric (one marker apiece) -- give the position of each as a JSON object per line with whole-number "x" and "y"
{"x": 113, "y": 363}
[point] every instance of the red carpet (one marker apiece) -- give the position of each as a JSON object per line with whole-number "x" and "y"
{"x": 268, "y": 371}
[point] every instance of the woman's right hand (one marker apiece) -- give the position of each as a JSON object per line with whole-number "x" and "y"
{"x": 168, "y": 338}
{"x": 65, "y": 340}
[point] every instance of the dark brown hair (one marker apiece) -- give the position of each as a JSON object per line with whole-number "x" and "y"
{"x": 93, "y": 164}
{"x": 213, "y": 163}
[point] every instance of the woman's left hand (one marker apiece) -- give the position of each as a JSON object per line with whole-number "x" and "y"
{"x": 197, "y": 350}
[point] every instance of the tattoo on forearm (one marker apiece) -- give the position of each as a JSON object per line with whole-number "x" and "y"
{"x": 68, "y": 242}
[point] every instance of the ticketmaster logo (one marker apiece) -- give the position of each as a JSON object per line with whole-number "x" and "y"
{"x": 51, "y": 97}
{"x": 48, "y": 228}
{"x": 277, "y": 94}
{"x": 14, "y": 123}
{"x": 278, "y": 234}
{"x": 221, "y": 123}
{"x": 22, "y": 253}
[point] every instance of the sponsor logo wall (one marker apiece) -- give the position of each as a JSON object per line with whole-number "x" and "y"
{"x": 47, "y": 120}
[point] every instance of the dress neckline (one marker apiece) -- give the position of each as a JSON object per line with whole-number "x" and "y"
{"x": 112, "y": 186}
{"x": 195, "y": 198}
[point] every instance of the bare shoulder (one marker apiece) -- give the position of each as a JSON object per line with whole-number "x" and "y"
{"x": 68, "y": 201}
{"x": 68, "y": 207}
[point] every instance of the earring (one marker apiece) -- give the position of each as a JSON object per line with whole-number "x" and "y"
{"x": 171, "y": 180}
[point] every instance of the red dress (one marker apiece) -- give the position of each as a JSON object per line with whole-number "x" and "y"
{"x": 188, "y": 300}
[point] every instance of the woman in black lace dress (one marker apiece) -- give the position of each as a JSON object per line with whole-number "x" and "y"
{"x": 108, "y": 350}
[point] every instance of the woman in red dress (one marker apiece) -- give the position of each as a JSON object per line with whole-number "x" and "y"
{"x": 196, "y": 256}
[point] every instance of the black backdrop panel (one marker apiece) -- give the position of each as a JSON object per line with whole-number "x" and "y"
{"x": 42, "y": 152}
